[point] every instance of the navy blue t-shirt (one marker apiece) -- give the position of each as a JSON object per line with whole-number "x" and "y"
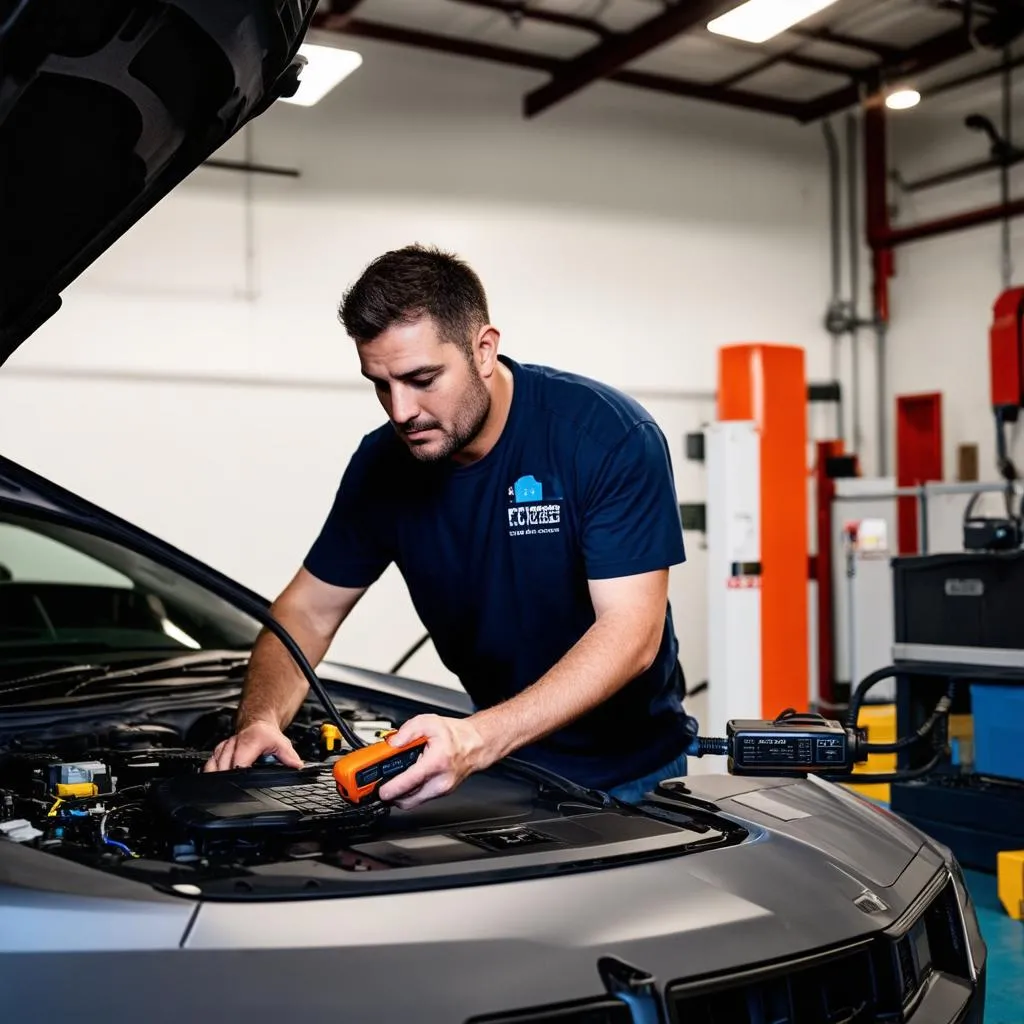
{"x": 497, "y": 554}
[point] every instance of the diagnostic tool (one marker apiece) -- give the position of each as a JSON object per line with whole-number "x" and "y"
{"x": 792, "y": 743}
{"x": 361, "y": 773}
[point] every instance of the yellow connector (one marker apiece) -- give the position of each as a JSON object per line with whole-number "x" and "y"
{"x": 1010, "y": 874}
{"x": 330, "y": 737}
{"x": 74, "y": 789}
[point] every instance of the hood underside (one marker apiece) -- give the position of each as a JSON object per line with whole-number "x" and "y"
{"x": 106, "y": 107}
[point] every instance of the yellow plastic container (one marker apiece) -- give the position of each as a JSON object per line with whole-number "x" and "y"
{"x": 880, "y": 722}
{"x": 1010, "y": 875}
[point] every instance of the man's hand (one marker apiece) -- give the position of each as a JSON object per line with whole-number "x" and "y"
{"x": 249, "y": 743}
{"x": 274, "y": 688}
{"x": 454, "y": 750}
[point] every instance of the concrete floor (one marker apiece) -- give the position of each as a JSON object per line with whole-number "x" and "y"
{"x": 1004, "y": 1003}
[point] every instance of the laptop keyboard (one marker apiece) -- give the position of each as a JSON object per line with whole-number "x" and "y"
{"x": 319, "y": 797}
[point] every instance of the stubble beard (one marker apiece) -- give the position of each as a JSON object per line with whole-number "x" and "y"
{"x": 469, "y": 422}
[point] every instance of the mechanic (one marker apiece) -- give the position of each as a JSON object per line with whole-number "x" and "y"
{"x": 533, "y": 516}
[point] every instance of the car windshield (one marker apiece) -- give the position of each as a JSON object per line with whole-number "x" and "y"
{"x": 68, "y": 596}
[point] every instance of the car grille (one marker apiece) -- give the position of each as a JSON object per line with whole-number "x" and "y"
{"x": 877, "y": 980}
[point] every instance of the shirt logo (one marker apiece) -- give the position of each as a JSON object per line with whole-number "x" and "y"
{"x": 529, "y": 513}
{"x": 527, "y": 488}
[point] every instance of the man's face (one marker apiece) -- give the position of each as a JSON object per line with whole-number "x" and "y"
{"x": 431, "y": 390}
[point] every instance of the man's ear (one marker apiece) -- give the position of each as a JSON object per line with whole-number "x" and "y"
{"x": 485, "y": 350}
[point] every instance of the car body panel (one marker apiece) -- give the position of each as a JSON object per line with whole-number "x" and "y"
{"x": 54, "y": 923}
{"x": 481, "y": 948}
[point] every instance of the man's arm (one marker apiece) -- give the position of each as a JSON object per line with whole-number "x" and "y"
{"x": 621, "y": 644}
{"x": 274, "y": 689}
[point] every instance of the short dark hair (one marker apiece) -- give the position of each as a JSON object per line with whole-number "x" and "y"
{"x": 405, "y": 285}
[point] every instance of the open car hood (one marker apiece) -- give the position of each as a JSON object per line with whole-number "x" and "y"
{"x": 104, "y": 108}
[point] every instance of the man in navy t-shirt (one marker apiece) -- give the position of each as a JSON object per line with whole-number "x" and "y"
{"x": 533, "y": 516}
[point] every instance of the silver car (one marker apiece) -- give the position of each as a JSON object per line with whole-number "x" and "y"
{"x": 134, "y": 886}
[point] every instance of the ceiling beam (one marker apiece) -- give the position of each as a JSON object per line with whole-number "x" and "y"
{"x": 510, "y": 56}
{"x": 438, "y": 43}
{"x": 824, "y": 35}
{"x": 830, "y": 67}
{"x": 708, "y": 91}
{"x": 338, "y": 12}
{"x": 974, "y": 76}
{"x": 604, "y": 59}
{"x": 518, "y": 11}
{"x": 917, "y": 60}
{"x": 796, "y": 60}
{"x": 521, "y": 10}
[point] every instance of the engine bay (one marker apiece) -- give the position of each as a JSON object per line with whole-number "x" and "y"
{"x": 92, "y": 793}
{"x": 88, "y": 794}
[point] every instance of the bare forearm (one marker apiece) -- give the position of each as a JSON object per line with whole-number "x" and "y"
{"x": 611, "y": 653}
{"x": 274, "y": 686}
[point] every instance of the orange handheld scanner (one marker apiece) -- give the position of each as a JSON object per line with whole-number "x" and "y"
{"x": 361, "y": 773}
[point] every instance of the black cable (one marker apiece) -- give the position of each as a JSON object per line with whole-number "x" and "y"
{"x": 703, "y": 746}
{"x": 1007, "y": 470}
{"x": 857, "y": 697}
{"x": 881, "y": 777}
{"x": 792, "y": 717}
{"x": 409, "y": 653}
{"x": 1004, "y": 463}
{"x": 915, "y": 668}
{"x": 940, "y": 711}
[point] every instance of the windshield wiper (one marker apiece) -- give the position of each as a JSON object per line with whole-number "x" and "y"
{"x": 81, "y": 676}
{"x": 169, "y": 666}
{"x": 546, "y": 777}
{"x": 191, "y": 665}
{"x": 69, "y": 674}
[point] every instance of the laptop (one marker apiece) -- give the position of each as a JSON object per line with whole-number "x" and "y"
{"x": 270, "y": 797}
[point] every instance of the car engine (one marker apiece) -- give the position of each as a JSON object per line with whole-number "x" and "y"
{"x": 92, "y": 787}
{"x": 87, "y": 796}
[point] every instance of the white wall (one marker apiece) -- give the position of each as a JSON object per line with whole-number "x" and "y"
{"x": 624, "y": 235}
{"x": 945, "y": 287}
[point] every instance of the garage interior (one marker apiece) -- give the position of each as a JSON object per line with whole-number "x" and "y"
{"x": 662, "y": 206}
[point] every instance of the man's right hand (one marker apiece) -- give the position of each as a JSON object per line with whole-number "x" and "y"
{"x": 249, "y": 743}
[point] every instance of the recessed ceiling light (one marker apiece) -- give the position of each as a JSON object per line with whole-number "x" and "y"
{"x": 758, "y": 20}
{"x": 902, "y": 99}
{"x": 326, "y": 66}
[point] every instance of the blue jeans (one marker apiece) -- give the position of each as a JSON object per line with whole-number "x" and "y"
{"x": 633, "y": 792}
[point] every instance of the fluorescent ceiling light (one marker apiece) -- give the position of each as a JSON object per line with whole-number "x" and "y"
{"x": 326, "y": 67}
{"x": 758, "y": 20}
{"x": 902, "y": 99}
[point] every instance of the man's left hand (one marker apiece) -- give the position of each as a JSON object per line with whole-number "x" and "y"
{"x": 454, "y": 750}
